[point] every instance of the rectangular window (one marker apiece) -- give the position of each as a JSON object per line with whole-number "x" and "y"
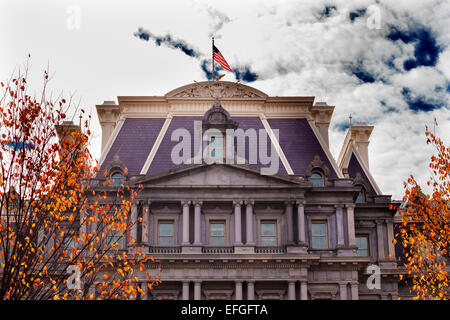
{"x": 165, "y": 233}
{"x": 268, "y": 233}
{"x": 216, "y": 147}
{"x": 116, "y": 240}
{"x": 362, "y": 241}
{"x": 319, "y": 234}
{"x": 217, "y": 233}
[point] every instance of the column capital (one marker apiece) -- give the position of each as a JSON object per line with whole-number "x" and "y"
{"x": 350, "y": 205}
{"x": 289, "y": 202}
{"x": 197, "y": 203}
{"x": 237, "y": 202}
{"x": 198, "y": 282}
{"x": 339, "y": 205}
{"x": 249, "y": 202}
{"x": 238, "y": 281}
{"x": 300, "y": 202}
{"x": 185, "y": 202}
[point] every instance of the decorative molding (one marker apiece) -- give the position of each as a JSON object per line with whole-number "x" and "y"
{"x": 216, "y": 89}
{"x": 317, "y": 163}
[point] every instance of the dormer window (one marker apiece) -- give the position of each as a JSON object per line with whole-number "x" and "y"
{"x": 317, "y": 179}
{"x": 116, "y": 178}
{"x": 361, "y": 196}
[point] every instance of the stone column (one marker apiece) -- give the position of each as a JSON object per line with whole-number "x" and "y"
{"x": 340, "y": 225}
{"x": 249, "y": 217}
{"x": 289, "y": 222}
{"x": 237, "y": 223}
{"x": 303, "y": 290}
{"x": 185, "y": 292}
{"x": 91, "y": 291}
{"x": 343, "y": 291}
{"x": 185, "y": 238}
{"x": 133, "y": 222}
{"x": 145, "y": 223}
{"x": 197, "y": 216}
{"x": 390, "y": 238}
{"x": 144, "y": 288}
{"x": 301, "y": 222}
{"x": 197, "y": 290}
{"x": 380, "y": 240}
{"x": 355, "y": 291}
{"x": 250, "y": 290}
{"x": 291, "y": 290}
{"x": 238, "y": 290}
{"x": 351, "y": 224}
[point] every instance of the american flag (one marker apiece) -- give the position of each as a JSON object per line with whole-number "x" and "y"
{"x": 220, "y": 59}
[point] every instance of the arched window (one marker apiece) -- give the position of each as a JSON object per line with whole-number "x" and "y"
{"x": 361, "y": 196}
{"x": 317, "y": 179}
{"x": 116, "y": 179}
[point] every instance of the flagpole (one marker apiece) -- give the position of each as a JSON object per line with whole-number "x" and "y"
{"x": 212, "y": 56}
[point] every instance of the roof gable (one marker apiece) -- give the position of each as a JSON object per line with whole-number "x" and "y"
{"x": 222, "y": 175}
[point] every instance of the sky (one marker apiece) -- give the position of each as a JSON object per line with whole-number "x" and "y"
{"x": 387, "y": 63}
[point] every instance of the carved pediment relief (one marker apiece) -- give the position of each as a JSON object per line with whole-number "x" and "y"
{"x": 216, "y": 89}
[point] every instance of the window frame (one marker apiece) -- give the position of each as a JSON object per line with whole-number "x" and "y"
{"x": 363, "y": 193}
{"x": 211, "y": 222}
{"x": 322, "y": 178}
{"x": 325, "y": 222}
{"x": 366, "y": 236}
{"x": 164, "y": 221}
{"x": 275, "y": 236}
{"x": 210, "y": 149}
{"x": 114, "y": 179}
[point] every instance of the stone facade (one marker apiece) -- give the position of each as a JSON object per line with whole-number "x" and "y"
{"x": 282, "y": 236}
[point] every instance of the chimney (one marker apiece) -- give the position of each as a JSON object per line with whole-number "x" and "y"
{"x": 360, "y": 134}
{"x": 322, "y": 114}
{"x": 66, "y": 127}
{"x": 108, "y": 114}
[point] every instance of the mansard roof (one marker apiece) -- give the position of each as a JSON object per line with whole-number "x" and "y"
{"x": 142, "y": 137}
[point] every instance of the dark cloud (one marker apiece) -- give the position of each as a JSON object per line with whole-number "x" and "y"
{"x": 168, "y": 41}
{"x": 356, "y": 14}
{"x": 243, "y": 73}
{"x": 357, "y": 69}
{"x": 327, "y": 11}
{"x": 426, "y": 49}
{"x": 418, "y": 103}
{"x": 343, "y": 126}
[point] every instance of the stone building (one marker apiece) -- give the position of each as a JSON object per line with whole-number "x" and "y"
{"x": 235, "y": 229}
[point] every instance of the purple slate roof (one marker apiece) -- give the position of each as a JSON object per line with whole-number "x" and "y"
{"x": 137, "y": 136}
{"x": 354, "y": 167}
{"x": 299, "y": 144}
{"x": 134, "y": 142}
{"x": 162, "y": 160}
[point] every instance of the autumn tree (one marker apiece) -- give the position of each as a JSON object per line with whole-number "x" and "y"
{"x": 61, "y": 222}
{"x": 425, "y": 229}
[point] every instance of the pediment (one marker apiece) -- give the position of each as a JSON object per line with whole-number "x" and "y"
{"x": 217, "y": 175}
{"x": 216, "y": 89}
